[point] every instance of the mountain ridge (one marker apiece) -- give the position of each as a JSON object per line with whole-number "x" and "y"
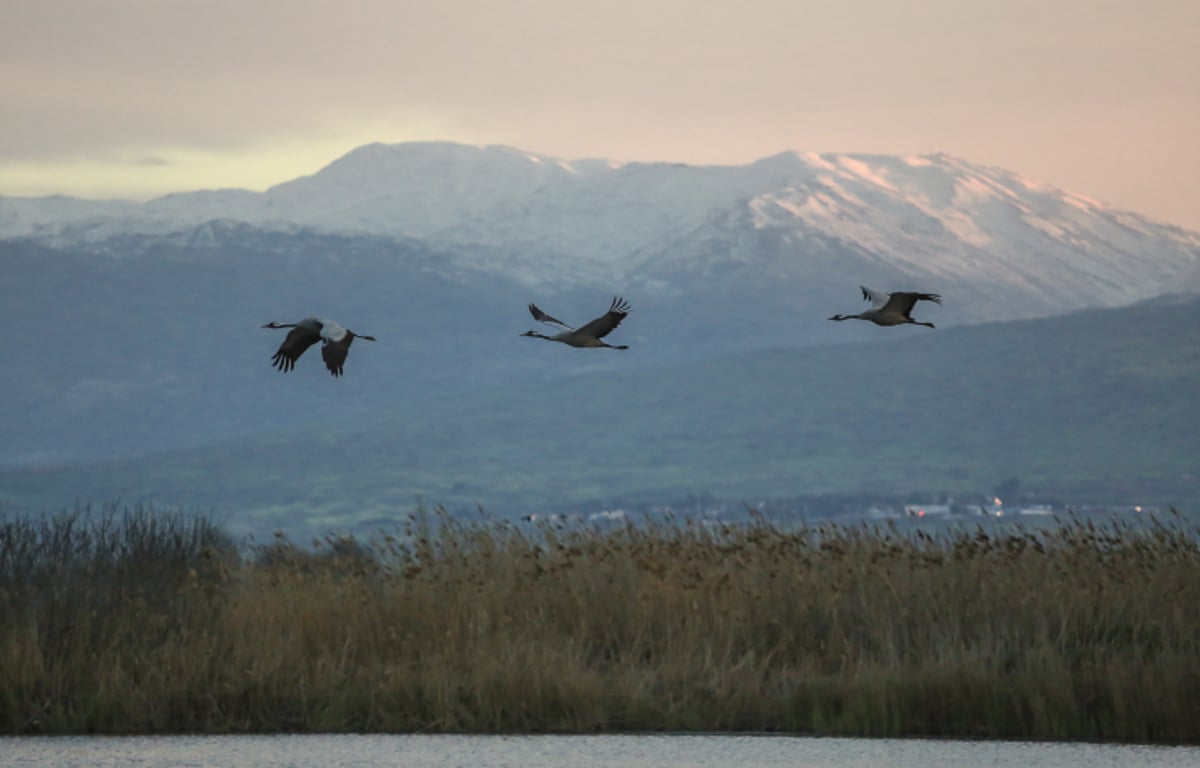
{"x": 923, "y": 217}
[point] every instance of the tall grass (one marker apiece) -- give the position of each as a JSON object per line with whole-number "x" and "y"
{"x": 135, "y": 622}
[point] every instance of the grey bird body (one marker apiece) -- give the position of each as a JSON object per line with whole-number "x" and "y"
{"x": 335, "y": 343}
{"x": 587, "y": 336}
{"x": 891, "y": 308}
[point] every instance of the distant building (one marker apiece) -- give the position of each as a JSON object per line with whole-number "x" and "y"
{"x": 927, "y": 510}
{"x": 607, "y": 514}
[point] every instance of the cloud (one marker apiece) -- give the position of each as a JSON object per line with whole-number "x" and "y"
{"x": 145, "y": 172}
{"x": 150, "y": 161}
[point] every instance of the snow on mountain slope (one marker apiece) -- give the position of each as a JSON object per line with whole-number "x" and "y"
{"x": 938, "y": 216}
{"x": 49, "y": 216}
{"x": 540, "y": 219}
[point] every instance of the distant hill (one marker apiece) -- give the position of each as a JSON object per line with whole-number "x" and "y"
{"x": 1094, "y": 406}
{"x": 149, "y": 342}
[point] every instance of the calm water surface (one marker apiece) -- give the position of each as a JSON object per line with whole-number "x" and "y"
{"x": 650, "y": 751}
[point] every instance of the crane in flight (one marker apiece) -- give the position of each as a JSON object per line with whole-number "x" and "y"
{"x": 589, "y": 335}
{"x": 335, "y": 343}
{"x": 891, "y": 308}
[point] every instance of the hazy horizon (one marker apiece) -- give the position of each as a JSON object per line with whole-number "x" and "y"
{"x": 136, "y": 99}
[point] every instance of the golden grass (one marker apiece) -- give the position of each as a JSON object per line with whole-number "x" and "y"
{"x": 1083, "y": 632}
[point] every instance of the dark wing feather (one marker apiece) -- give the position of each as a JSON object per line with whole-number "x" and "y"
{"x": 334, "y": 353}
{"x": 542, "y": 317}
{"x": 603, "y": 325}
{"x": 904, "y": 301}
{"x": 294, "y": 344}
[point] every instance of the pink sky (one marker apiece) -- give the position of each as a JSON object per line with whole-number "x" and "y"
{"x": 142, "y": 97}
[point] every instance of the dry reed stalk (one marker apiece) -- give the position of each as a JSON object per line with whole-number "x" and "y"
{"x": 1083, "y": 632}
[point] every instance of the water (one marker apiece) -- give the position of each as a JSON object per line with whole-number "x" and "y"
{"x": 640, "y": 751}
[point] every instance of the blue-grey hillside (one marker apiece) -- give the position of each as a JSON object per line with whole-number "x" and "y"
{"x": 1093, "y": 407}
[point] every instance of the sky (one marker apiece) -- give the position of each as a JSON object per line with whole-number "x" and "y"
{"x": 137, "y": 98}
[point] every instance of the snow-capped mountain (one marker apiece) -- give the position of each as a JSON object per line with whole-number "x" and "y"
{"x": 930, "y": 220}
{"x": 137, "y": 325}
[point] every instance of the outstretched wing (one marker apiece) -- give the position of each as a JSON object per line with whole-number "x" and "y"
{"x": 877, "y": 298}
{"x": 904, "y": 301}
{"x": 542, "y": 317}
{"x": 294, "y": 344}
{"x": 603, "y": 325}
{"x": 334, "y": 353}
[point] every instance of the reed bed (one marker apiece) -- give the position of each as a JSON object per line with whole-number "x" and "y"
{"x": 136, "y": 622}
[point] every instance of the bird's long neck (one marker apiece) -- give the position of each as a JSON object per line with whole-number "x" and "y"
{"x": 847, "y": 317}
